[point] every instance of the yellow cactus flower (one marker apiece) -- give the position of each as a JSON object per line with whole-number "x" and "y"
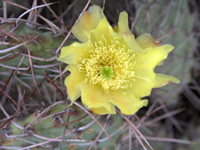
{"x": 110, "y": 67}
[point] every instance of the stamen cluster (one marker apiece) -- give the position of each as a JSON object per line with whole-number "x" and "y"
{"x": 109, "y": 53}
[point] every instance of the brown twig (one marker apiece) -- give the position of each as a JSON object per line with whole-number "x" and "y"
{"x": 77, "y": 104}
{"x": 134, "y": 128}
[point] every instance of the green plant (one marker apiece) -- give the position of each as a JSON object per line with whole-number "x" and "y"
{"x": 35, "y": 110}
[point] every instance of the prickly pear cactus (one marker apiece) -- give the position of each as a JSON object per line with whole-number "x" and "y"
{"x": 42, "y": 46}
{"x": 45, "y": 130}
{"x": 40, "y": 43}
{"x": 25, "y": 125}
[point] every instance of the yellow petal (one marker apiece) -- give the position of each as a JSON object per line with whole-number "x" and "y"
{"x": 87, "y": 22}
{"x": 72, "y": 82}
{"x": 162, "y": 80}
{"x": 126, "y": 102}
{"x": 156, "y": 55}
{"x": 129, "y": 38}
{"x": 101, "y": 30}
{"x": 141, "y": 88}
{"x": 71, "y": 54}
{"x": 146, "y": 40}
{"x": 123, "y": 22}
{"x": 94, "y": 99}
{"x": 145, "y": 64}
{"x": 104, "y": 34}
{"x": 141, "y": 69}
{"x": 92, "y": 95}
{"x": 106, "y": 109}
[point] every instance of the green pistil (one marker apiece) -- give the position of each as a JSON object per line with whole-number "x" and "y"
{"x": 106, "y": 72}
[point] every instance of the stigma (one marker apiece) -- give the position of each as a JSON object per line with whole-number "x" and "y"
{"x": 106, "y": 72}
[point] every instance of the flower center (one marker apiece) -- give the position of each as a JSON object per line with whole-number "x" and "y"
{"x": 106, "y": 72}
{"x": 109, "y": 64}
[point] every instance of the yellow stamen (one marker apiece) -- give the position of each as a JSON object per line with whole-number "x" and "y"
{"x": 109, "y": 64}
